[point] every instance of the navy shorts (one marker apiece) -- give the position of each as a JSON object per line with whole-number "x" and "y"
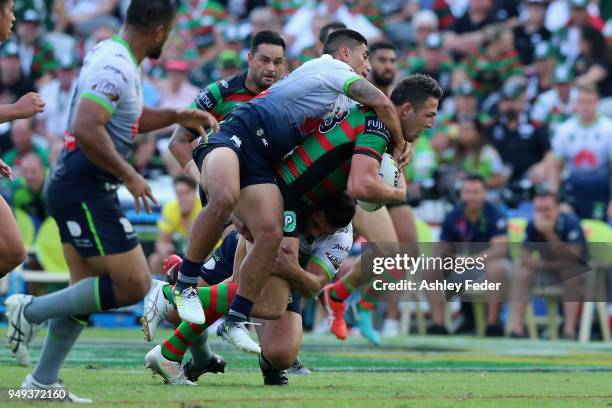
{"x": 220, "y": 266}
{"x": 93, "y": 226}
{"x": 239, "y": 135}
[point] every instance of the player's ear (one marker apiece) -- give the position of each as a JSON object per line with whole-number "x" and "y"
{"x": 250, "y": 58}
{"x": 344, "y": 53}
{"x": 405, "y": 109}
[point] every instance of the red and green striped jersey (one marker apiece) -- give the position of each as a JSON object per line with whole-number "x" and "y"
{"x": 285, "y": 8}
{"x": 488, "y": 74}
{"x": 221, "y": 98}
{"x": 196, "y": 22}
{"x": 371, "y": 11}
{"x": 307, "y": 54}
{"x": 318, "y": 169}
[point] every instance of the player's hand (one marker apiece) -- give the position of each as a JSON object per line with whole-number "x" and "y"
{"x": 140, "y": 190}
{"x": 402, "y": 155}
{"x": 401, "y": 182}
{"x": 197, "y": 120}
{"x": 5, "y": 170}
{"x": 285, "y": 262}
{"x": 29, "y": 105}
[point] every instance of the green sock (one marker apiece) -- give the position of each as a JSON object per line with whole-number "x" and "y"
{"x": 215, "y": 302}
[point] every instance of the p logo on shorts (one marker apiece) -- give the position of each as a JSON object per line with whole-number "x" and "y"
{"x": 290, "y": 221}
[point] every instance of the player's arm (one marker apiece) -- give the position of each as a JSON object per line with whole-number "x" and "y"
{"x": 182, "y": 138}
{"x": 89, "y": 129}
{"x": 182, "y": 150}
{"x": 27, "y": 106}
{"x": 367, "y": 94}
{"x": 309, "y": 281}
{"x": 364, "y": 182}
{"x": 153, "y": 119}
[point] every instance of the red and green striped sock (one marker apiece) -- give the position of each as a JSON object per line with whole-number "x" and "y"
{"x": 365, "y": 305}
{"x": 341, "y": 290}
{"x": 215, "y": 302}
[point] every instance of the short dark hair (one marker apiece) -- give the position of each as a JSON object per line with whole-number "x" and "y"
{"x": 334, "y": 25}
{"x": 475, "y": 177}
{"x": 339, "y": 210}
{"x": 150, "y": 13}
{"x": 545, "y": 192}
{"x": 416, "y": 89}
{"x": 343, "y": 37}
{"x": 184, "y": 179}
{"x": 381, "y": 45}
{"x": 267, "y": 37}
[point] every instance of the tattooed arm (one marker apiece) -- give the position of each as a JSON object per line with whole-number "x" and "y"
{"x": 367, "y": 94}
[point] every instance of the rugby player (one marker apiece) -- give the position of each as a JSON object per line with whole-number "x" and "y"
{"x": 384, "y": 225}
{"x": 344, "y": 152}
{"x": 265, "y": 66}
{"x": 12, "y": 251}
{"x": 266, "y": 59}
{"x": 395, "y": 222}
{"x": 323, "y": 247}
{"x": 107, "y": 265}
{"x": 236, "y": 166}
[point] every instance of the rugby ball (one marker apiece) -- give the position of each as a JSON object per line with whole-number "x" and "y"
{"x": 390, "y": 174}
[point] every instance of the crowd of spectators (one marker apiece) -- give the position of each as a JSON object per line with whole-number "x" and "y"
{"x": 528, "y": 87}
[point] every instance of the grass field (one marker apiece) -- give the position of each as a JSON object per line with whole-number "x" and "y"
{"x": 107, "y": 366}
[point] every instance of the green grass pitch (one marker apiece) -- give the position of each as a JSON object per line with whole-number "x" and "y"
{"x": 107, "y": 366}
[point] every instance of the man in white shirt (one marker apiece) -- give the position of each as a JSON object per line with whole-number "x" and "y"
{"x": 58, "y": 92}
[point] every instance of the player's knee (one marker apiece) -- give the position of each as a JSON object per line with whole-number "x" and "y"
{"x": 271, "y": 311}
{"x": 133, "y": 290}
{"x": 12, "y": 257}
{"x": 222, "y": 204}
{"x": 279, "y": 357}
{"x": 269, "y": 232}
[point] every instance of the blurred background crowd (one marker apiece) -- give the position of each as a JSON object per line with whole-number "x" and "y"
{"x": 528, "y": 93}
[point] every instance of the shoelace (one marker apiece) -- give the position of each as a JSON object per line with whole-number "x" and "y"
{"x": 189, "y": 294}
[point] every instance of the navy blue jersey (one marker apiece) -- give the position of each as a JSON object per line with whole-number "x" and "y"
{"x": 457, "y": 228}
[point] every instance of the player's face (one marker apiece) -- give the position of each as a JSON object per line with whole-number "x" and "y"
{"x": 316, "y": 225}
{"x": 546, "y": 208}
{"x": 359, "y": 60}
{"x": 415, "y": 122}
{"x": 267, "y": 64}
{"x": 6, "y": 20}
{"x": 162, "y": 33}
{"x": 186, "y": 197}
{"x": 473, "y": 194}
{"x": 586, "y": 106}
{"x": 384, "y": 67}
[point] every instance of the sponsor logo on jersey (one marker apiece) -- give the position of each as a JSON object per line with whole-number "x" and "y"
{"x": 376, "y": 127}
{"x": 290, "y": 221}
{"x": 330, "y": 123}
{"x": 116, "y": 71}
{"x": 224, "y": 83}
{"x": 107, "y": 88}
{"x": 237, "y": 141}
{"x": 334, "y": 260}
{"x": 342, "y": 248}
{"x": 204, "y": 100}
